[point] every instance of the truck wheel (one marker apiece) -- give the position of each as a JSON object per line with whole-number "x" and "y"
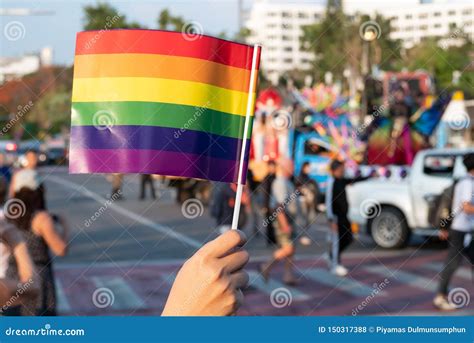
{"x": 389, "y": 229}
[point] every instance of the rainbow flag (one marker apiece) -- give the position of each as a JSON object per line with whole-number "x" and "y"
{"x": 159, "y": 102}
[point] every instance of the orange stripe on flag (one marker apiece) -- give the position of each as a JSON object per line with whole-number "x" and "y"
{"x": 161, "y": 66}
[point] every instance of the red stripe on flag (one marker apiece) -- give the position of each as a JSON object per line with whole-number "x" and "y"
{"x": 165, "y": 43}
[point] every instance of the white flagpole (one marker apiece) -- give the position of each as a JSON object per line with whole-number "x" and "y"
{"x": 240, "y": 186}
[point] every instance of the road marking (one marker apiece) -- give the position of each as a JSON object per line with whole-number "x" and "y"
{"x": 63, "y": 303}
{"x": 346, "y": 284}
{"x": 125, "y": 212}
{"x": 405, "y": 277}
{"x": 257, "y": 281}
{"x": 124, "y": 297}
{"x": 462, "y": 272}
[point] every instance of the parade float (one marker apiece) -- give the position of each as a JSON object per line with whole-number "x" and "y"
{"x": 319, "y": 123}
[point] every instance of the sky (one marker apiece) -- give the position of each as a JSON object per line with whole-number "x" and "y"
{"x": 58, "y": 21}
{"x": 58, "y": 26}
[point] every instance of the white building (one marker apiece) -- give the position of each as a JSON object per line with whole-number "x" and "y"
{"x": 277, "y": 25}
{"x": 16, "y": 67}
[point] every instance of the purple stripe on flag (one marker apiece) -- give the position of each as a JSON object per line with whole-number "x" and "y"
{"x": 157, "y": 138}
{"x": 154, "y": 162}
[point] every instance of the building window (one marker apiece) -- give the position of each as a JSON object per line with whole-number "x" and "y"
{"x": 437, "y": 26}
{"x": 423, "y": 16}
{"x": 286, "y": 38}
{"x": 317, "y": 16}
{"x": 286, "y": 15}
{"x": 437, "y": 14}
{"x": 288, "y": 60}
{"x": 302, "y": 15}
{"x": 288, "y": 48}
{"x": 451, "y": 12}
{"x": 423, "y": 27}
{"x": 408, "y": 16}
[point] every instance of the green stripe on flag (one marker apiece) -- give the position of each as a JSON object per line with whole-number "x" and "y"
{"x": 158, "y": 114}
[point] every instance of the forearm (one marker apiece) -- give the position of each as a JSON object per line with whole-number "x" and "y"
{"x": 26, "y": 270}
{"x": 468, "y": 208}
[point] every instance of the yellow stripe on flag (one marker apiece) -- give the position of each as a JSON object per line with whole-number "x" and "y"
{"x": 159, "y": 90}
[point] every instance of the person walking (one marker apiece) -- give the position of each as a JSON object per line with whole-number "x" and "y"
{"x": 266, "y": 189}
{"x": 41, "y": 236}
{"x": 459, "y": 236}
{"x": 308, "y": 191}
{"x": 116, "y": 181}
{"x": 147, "y": 179}
{"x": 337, "y": 208}
{"x": 283, "y": 210}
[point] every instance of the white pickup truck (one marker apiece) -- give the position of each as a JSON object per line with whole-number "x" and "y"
{"x": 390, "y": 209}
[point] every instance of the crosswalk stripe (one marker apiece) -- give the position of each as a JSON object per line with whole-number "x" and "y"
{"x": 63, "y": 303}
{"x": 124, "y": 297}
{"x": 462, "y": 272}
{"x": 346, "y": 284}
{"x": 410, "y": 279}
{"x": 257, "y": 281}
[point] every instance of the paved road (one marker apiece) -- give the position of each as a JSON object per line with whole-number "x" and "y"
{"x": 124, "y": 255}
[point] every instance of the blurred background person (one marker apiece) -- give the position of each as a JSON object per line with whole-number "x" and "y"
{"x": 308, "y": 195}
{"x": 41, "y": 236}
{"x": 283, "y": 205}
{"x": 337, "y": 208}
{"x": 5, "y": 178}
{"x": 459, "y": 236}
{"x": 27, "y": 280}
{"x": 223, "y": 203}
{"x": 116, "y": 180}
{"x": 147, "y": 179}
{"x": 266, "y": 190}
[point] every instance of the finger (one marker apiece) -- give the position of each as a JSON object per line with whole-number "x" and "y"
{"x": 224, "y": 243}
{"x": 239, "y": 280}
{"x": 235, "y": 261}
